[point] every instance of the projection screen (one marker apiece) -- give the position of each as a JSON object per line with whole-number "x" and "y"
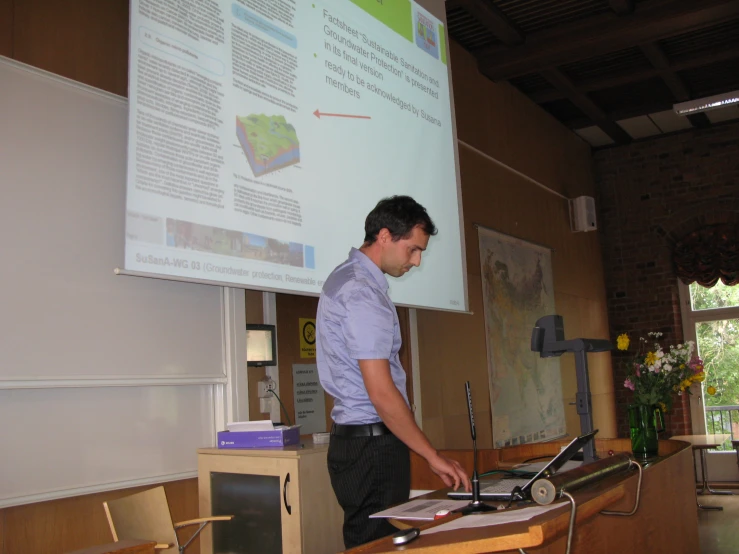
{"x": 261, "y": 133}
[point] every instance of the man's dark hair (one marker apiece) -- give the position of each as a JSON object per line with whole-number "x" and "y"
{"x": 399, "y": 215}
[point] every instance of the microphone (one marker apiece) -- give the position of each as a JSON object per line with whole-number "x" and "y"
{"x": 476, "y": 505}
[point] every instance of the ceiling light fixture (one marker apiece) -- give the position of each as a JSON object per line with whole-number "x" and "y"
{"x": 707, "y": 103}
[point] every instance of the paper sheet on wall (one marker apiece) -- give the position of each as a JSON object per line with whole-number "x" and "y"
{"x": 310, "y": 401}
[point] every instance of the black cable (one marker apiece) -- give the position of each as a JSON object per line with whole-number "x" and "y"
{"x": 549, "y": 457}
{"x": 283, "y": 408}
{"x": 511, "y": 472}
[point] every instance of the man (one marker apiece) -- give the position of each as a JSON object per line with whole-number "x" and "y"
{"x": 358, "y": 339}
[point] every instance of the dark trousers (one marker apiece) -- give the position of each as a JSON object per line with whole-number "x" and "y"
{"x": 368, "y": 474}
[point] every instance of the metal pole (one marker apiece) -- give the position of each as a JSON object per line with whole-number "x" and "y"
{"x": 584, "y": 403}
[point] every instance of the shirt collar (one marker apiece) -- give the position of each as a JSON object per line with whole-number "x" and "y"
{"x": 370, "y": 266}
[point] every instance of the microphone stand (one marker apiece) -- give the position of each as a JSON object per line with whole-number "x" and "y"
{"x": 476, "y": 506}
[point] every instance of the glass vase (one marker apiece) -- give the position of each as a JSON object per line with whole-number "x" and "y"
{"x": 645, "y": 422}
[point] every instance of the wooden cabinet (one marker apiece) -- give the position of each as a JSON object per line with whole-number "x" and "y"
{"x": 282, "y": 501}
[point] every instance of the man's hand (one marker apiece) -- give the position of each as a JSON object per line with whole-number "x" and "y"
{"x": 450, "y": 472}
{"x": 394, "y": 412}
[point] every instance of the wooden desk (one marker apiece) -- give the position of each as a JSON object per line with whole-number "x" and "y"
{"x": 701, "y": 443}
{"x": 654, "y": 528}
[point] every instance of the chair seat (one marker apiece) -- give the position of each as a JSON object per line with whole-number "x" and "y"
{"x": 145, "y": 516}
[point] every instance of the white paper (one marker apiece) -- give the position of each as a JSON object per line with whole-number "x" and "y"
{"x": 259, "y": 425}
{"x": 421, "y": 509}
{"x": 420, "y": 492}
{"x": 495, "y": 518}
{"x": 321, "y": 438}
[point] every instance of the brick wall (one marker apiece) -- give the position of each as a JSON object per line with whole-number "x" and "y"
{"x": 650, "y": 194}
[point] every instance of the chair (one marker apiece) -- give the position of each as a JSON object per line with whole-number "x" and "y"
{"x": 145, "y": 515}
{"x": 121, "y": 547}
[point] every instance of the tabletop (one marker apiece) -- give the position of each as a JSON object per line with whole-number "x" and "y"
{"x": 703, "y": 441}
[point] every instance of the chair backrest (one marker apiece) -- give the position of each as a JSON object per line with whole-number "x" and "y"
{"x": 144, "y": 515}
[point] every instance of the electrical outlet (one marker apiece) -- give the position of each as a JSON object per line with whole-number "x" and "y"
{"x": 264, "y": 387}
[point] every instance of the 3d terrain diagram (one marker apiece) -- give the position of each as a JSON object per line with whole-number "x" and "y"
{"x": 270, "y": 143}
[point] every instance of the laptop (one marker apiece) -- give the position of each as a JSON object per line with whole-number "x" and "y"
{"x": 503, "y": 489}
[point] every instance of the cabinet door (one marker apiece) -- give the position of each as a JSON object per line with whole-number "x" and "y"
{"x": 263, "y": 495}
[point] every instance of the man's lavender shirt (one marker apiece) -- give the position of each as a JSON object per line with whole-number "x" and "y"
{"x": 356, "y": 320}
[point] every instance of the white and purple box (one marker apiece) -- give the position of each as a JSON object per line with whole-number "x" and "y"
{"x": 272, "y": 438}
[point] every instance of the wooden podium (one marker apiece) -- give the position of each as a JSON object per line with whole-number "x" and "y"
{"x": 281, "y": 498}
{"x": 665, "y": 522}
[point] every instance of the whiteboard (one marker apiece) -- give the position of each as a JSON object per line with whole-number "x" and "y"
{"x": 71, "y": 441}
{"x": 105, "y": 381}
{"x": 65, "y": 315}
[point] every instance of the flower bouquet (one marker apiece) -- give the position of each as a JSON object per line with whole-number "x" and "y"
{"x": 655, "y": 375}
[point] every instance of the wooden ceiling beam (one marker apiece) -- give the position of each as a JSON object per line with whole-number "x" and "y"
{"x": 659, "y": 61}
{"x": 493, "y": 20}
{"x": 587, "y": 106}
{"x": 677, "y": 87}
{"x": 699, "y": 120}
{"x": 655, "y": 20}
{"x": 621, "y": 7}
{"x": 687, "y": 62}
{"x": 600, "y": 83}
{"x": 626, "y": 113}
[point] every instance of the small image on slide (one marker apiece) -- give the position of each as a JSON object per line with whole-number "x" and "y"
{"x": 269, "y": 142}
{"x": 227, "y": 242}
{"x": 426, "y": 35}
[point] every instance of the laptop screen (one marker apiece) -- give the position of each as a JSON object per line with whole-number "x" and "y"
{"x": 500, "y": 489}
{"x": 562, "y": 458}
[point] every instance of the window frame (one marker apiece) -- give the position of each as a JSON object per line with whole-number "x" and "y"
{"x": 690, "y": 318}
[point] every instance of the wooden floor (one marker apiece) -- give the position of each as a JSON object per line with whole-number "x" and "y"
{"x": 719, "y": 531}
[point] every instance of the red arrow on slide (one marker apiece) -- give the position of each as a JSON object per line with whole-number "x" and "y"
{"x": 319, "y": 113}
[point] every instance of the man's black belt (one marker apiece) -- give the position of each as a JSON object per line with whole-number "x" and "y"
{"x": 368, "y": 430}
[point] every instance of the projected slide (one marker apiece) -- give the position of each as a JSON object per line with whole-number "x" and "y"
{"x": 261, "y": 133}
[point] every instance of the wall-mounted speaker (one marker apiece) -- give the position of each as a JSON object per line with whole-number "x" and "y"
{"x": 582, "y": 214}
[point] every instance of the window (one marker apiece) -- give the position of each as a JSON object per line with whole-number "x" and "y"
{"x": 711, "y": 319}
